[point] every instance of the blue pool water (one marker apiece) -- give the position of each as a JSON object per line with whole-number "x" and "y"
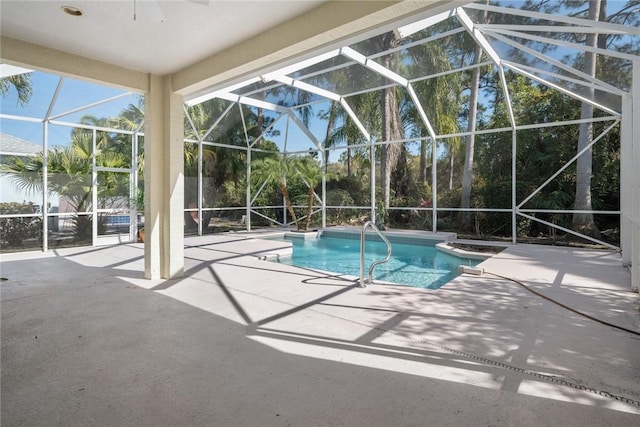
{"x": 421, "y": 266}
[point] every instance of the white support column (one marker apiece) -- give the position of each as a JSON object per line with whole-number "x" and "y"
{"x": 247, "y": 218}
{"x": 45, "y": 186}
{"x": 626, "y": 177}
{"x": 372, "y": 179}
{"x": 324, "y": 188}
{"x": 133, "y": 189}
{"x": 94, "y": 189}
{"x": 514, "y": 201}
{"x": 635, "y": 184}
{"x": 164, "y": 181}
{"x": 434, "y": 185}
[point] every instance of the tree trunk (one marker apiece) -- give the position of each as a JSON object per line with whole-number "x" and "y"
{"x": 390, "y": 132}
{"x": 391, "y": 123}
{"x": 467, "y": 176}
{"x": 327, "y": 138}
{"x": 584, "y": 221}
{"x": 452, "y": 156}
{"x": 287, "y": 201}
{"x": 309, "y": 209}
{"x": 423, "y": 159}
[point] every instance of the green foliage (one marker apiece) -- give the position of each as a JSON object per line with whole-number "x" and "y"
{"x": 352, "y": 186}
{"x": 14, "y": 231}
{"x": 22, "y": 85}
{"x": 338, "y": 216}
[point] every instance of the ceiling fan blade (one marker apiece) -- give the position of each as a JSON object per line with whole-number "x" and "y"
{"x": 152, "y": 10}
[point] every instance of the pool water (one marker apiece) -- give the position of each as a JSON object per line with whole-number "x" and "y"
{"x": 416, "y": 265}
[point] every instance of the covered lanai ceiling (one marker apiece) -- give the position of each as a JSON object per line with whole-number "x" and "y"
{"x": 158, "y": 37}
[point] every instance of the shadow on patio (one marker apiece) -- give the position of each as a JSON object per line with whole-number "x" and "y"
{"x": 244, "y": 342}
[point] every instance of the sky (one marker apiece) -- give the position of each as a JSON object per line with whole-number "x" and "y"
{"x": 73, "y": 95}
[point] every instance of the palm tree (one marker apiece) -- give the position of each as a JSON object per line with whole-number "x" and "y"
{"x": 21, "y": 83}
{"x": 69, "y": 175}
{"x": 132, "y": 117}
{"x": 329, "y": 141}
{"x": 342, "y": 129}
{"x": 70, "y": 170}
{"x": 442, "y": 93}
{"x": 276, "y": 170}
{"x": 310, "y": 172}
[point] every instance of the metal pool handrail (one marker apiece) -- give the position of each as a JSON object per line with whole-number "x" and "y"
{"x": 375, "y": 263}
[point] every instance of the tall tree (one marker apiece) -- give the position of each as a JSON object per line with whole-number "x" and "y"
{"x": 584, "y": 221}
{"x": 467, "y": 174}
{"x": 392, "y": 129}
{"x": 440, "y": 96}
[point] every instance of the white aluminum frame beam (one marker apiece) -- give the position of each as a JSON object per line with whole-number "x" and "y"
{"x": 95, "y": 104}
{"x": 466, "y": 21}
{"x": 393, "y": 76}
{"x": 562, "y": 43}
{"x": 417, "y": 42}
{"x": 553, "y": 62}
{"x": 423, "y": 114}
{"x": 307, "y": 87}
{"x": 563, "y": 90}
{"x": 218, "y": 120}
{"x": 355, "y": 119}
{"x": 54, "y": 98}
{"x": 479, "y": 38}
{"x": 548, "y": 29}
{"x": 409, "y": 29}
{"x": 300, "y": 65}
{"x": 305, "y": 129}
{"x": 373, "y": 66}
{"x": 587, "y": 84}
{"x": 251, "y": 101}
{"x": 568, "y": 230}
{"x": 198, "y": 99}
{"x": 507, "y": 97}
{"x": 568, "y": 163}
{"x": 271, "y": 126}
{"x": 604, "y": 26}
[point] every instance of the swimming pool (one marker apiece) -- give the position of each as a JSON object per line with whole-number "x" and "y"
{"x": 418, "y": 265}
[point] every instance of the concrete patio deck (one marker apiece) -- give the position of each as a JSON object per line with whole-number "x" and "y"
{"x": 244, "y": 342}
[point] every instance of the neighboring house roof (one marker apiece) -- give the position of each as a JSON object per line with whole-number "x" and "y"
{"x": 12, "y": 145}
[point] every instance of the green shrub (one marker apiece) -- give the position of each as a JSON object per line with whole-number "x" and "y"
{"x": 13, "y": 231}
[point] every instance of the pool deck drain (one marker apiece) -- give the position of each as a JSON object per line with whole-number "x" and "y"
{"x": 238, "y": 341}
